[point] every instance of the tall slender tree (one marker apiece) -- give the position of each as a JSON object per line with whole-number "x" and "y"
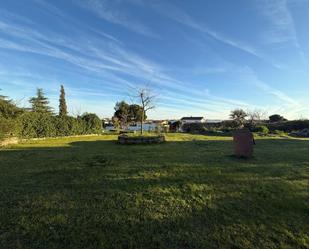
{"x": 40, "y": 103}
{"x": 63, "y": 110}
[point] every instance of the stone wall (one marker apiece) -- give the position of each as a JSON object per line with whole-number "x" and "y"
{"x": 123, "y": 139}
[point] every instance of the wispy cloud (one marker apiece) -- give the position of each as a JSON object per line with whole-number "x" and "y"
{"x": 173, "y": 12}
{"x": 107, "y": 62}
{"x": 282, "y": 101}
{"x": 282, "y": 28}
{"x": 65, "y": 16}
{"x": 111, "y": 11}
{"x": 118, "y": 67}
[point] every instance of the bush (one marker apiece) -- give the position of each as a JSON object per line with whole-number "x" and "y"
{"x": 8, "y": 127}
{"x": 93, "y": 123}
{"x": 37, "y": 125}
{"x": 199, "y": 127}
{"x": 69, "y": 126}
{"x": 261, "y": 129}
{"x": 63, "y": 126}
{"x": 279, "y": 133}
{"x": 289, "y": 126}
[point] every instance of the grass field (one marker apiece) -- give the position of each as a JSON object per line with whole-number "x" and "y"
{"x": 90, "y": 192}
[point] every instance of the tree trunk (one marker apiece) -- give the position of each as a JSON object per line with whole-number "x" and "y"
{"x": 142, "y": 121}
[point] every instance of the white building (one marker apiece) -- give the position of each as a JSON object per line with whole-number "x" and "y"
{"x": 151, "y": 125}
{"x": 192, "y": 120}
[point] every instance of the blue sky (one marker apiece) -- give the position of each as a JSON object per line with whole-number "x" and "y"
{"x": 200, "y": 57}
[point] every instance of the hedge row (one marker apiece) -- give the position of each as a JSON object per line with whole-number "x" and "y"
{"x": 39, "y": 125}
{"x": 8, "y": 127}
{"x": 288, "y": 126}
{"x": 264, "y": 127}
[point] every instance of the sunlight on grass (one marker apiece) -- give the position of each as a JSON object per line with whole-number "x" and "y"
{"x": 187, "y": 191}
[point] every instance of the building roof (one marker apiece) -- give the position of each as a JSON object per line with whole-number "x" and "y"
{"x": 192, "y": 118}
{"x": 214, "y": 121}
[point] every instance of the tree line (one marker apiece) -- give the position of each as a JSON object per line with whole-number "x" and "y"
{"x": 40, "y": 120}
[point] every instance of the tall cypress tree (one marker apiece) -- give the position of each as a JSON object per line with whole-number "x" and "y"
{"x": 63, "y": 111}
{"x": 40, "y": 102}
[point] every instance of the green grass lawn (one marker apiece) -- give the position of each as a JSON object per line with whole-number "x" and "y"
{"x": 90, "y": 192}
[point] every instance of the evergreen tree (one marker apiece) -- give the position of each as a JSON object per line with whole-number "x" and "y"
{"x": 40, "y": 103}
{"x": 8, "y": 108}
{"x": 63, "y": 111}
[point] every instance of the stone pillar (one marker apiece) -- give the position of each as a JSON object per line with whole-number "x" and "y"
{"x": 243, "y": 143}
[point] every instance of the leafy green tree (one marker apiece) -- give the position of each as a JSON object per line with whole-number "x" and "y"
{"x": 276, "y": 118}
{"x": 63, "y": 110}
{"x": 136, "y": 113}
{"x": 116, "y": 123}
{"x": 122, "y": 112}
{"x": 40, "y": 103}
{"x": 239, "y": 117}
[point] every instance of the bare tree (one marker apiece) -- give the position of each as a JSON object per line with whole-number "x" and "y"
{"x": 256, "y": 116}
{"x": 146, "y": 100}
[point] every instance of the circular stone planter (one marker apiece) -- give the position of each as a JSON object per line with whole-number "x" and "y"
{"x": 124, "y": 139}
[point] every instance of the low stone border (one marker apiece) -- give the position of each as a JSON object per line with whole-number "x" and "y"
{"x": 124, "y": 139}
{"x": 54, "y": 138}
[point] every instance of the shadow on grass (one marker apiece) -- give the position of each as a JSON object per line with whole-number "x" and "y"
{"x": 188, "y": 194}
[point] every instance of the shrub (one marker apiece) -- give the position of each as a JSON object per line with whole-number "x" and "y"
{"x": 93, "y": 123}
{"x": 79, "y": 126}
{"x": 63, "y": 126}
{"x": 68, "y": 126}
{"x": 8, "y": 127}
{"x": 37, "y": 125}
{"x": 279, "y": 133}
{"x": 261, "y": 129}
{"x": 289, "y": 126}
